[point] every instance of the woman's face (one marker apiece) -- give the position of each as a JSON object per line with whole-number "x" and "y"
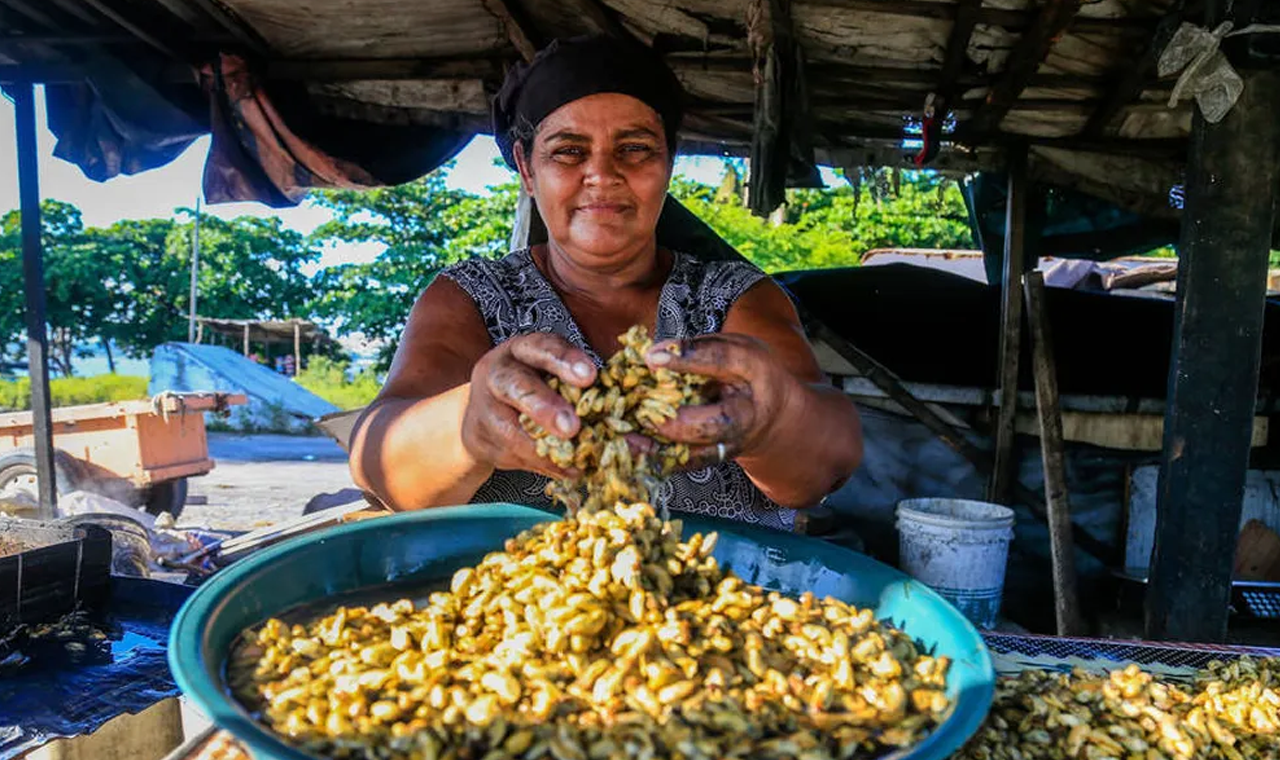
{"x": 598, "y": 170}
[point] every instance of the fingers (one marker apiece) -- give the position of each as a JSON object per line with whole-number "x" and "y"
{"x": 728, "y": 422}
{"x": 513, "y": 448}
{"x": 701, "y": 457}
{"x": 554, "y": 355}
{"x": 725, "y": 357}
{"x": 521, "y": 388}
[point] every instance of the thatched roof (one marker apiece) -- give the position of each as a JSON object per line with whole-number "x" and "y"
{"x": 1075, "y": 80}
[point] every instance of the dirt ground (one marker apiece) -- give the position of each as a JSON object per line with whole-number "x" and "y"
{"x": 263, "y": 479}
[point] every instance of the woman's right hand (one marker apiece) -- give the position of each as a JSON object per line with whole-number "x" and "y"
{"x": 508, "y": 381}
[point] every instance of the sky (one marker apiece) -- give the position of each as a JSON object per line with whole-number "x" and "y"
{"x": 158, "y": 192}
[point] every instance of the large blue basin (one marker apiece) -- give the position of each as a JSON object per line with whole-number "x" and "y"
{"x": 429, "y": 545}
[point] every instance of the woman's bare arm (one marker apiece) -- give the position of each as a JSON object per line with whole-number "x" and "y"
{"x": 815, "y": 443}
{"x": 407, "y": 446}
{"x": 449, "y": 414}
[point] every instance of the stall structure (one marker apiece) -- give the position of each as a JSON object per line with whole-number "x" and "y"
{"x": 1088, "y": 130}
{"x": 269, "y": 333}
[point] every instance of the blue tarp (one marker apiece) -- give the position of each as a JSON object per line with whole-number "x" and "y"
{"x": 275, "y": 401}
{"x": 51, "y": 700}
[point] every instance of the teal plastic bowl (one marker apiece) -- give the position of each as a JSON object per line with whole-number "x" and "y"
{"x": 428, "y": 546}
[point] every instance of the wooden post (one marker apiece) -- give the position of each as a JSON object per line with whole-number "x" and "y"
{"x": 246, "y": 339}
{"x": 781, "y": 140}
{"x": 195, "y": 268}
{"x": 33, "y": 285}
{"x": 297, "y": 346}
{"x": 1232, "y": 188}
{"x": 1066, "y": 604}
{"x": 1010, "y": 327}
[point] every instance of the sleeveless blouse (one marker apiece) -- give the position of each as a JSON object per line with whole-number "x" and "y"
{"x": 515, "y": 299}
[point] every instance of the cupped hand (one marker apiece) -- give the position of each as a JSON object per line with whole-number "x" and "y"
{"x": 510, "y": 380}
{"x": 749, "y": 391}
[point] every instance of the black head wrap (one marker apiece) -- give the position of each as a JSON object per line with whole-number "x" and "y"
{"x": 574, "y": 68}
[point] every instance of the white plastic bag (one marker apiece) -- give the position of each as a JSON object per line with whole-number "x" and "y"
{"x": 1206, "y": 74}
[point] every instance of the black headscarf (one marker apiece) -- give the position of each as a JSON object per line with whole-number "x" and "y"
{"x": 577, "y": 67}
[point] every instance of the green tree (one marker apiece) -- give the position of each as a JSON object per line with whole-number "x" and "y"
{"x": 129, "y": 283}
{"x": 77, "y": 303}
{"x": 834, "y": 227}
{"x": 422, "y": 227}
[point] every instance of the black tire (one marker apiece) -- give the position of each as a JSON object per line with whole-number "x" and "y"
{"x": 21, "y": 463}
{"x": 167, "y": 496}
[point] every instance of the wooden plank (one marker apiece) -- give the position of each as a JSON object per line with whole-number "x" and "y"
{"x": 341, "y": 70}
{"x": 9, "y": 40}
{"x": 519, "y": 32}
{"x": 781, "y": 139}
{"x": 1133, "y": 77}
{"x": 32, "y": 12}
{"x": 1066, "y": 602}
{"x": 1011, "y": 19}
{"x": 956, "y": 54}
{"x": 191, "y": 469}
{"x": 602, "y": 17}
{"x": 34, "y": 289}
{"x": 1257, "y": 553}
{"x": 1010, "y": 327}
{"x": 233, "y": 24}
{"x": 1227, "y": 226}
{"x": 1028, "y": 54}
{"x": 827, "y": 71}
{"x": 129, "y": 26}
{"x": 1119, "y": 431}
{"x": 770, "y": 30}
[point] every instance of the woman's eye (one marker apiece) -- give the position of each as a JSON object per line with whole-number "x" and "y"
{"x": 568, "y": 153}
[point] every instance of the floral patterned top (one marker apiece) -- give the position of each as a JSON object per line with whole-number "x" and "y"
{"x": 515, "y": 299}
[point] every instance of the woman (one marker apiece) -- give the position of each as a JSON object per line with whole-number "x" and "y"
{"x": 590, "y": 125}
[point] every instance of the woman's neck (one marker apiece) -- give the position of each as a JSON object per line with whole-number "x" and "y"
{"x": 639, "y": 273}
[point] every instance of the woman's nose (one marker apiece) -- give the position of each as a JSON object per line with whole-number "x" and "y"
{"x": 602, "y": 168}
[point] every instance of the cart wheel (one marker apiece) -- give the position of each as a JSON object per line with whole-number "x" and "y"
{"x": 167, "y": 496}
{"x": 18, "y": 470}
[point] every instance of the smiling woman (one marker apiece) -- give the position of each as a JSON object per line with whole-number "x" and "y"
{"x": 590, "y": 125}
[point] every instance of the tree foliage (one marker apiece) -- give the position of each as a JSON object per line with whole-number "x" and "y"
{"x": 834, "y": 227}
{"x": 421, "y": 227}
{"x": 128, "y": 284}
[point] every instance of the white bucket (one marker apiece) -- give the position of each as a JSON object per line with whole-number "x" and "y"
{"x": 959, "y": 548}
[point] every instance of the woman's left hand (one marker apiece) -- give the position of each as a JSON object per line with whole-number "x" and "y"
{"x": 751, "y": 390}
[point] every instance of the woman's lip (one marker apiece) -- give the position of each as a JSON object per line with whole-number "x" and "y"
{"x": 616, "y": 208}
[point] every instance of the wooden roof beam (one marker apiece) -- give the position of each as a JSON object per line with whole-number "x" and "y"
{"x": 66, "y": 39}
{"x": 519, "y": 31}
{"x": 601, "y": 17}
{"x": 1027, "y": 56}
{"x": 347, "y": 70}
{"x": 826, "y": 70}
{"x": 957, "y": 50}
{"x": 231, "y": 23}
{"x": 1009, "y": 19}
{"x": 120, "y": 20}
{"x": 1133, "y": 77}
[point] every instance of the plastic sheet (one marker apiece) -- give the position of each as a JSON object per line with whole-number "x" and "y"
{"x": 54, "y": 698}
{"x": 1206, "y": 73}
